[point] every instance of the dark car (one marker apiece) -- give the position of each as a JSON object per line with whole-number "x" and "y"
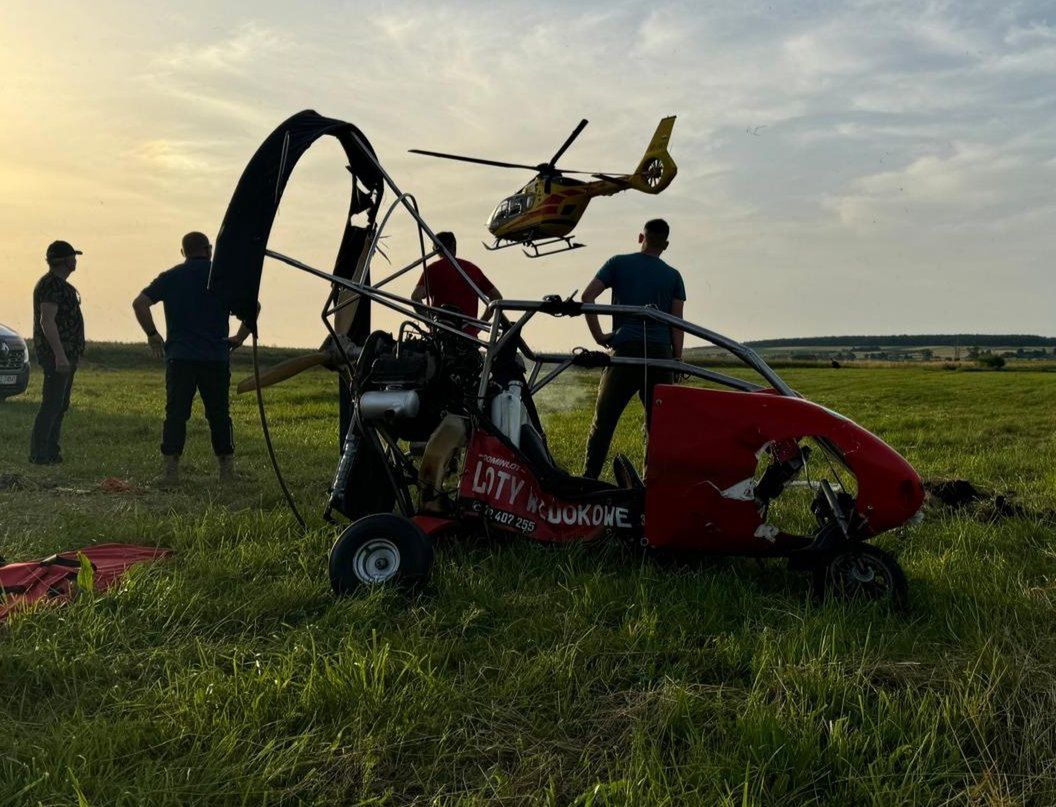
{"x": 14, "y": 363}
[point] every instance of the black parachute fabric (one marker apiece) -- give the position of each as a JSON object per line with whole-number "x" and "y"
{"x": 239, "y": 254}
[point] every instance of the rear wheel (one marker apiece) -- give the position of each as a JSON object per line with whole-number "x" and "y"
{"x": 861, "y": 573}
{"x": 381, "y": 549}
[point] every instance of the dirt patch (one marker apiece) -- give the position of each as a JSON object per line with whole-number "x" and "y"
{"x": 113, "y": 484}
{"x": 15, "y": 482}
{"x": 18, "y": 482}
{"x": 953, "y": 493}
{"x": 960, "y": 495}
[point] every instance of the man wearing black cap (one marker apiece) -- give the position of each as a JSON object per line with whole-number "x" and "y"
{"x": 196, "y": 351}
{"x": 58, "y": 340}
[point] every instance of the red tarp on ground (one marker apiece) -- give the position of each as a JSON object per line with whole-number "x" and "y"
{"x": 52, "y": 578}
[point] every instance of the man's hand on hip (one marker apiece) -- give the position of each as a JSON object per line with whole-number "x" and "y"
{"x": 234, "y": 343}
{"x": 62, "y": 364}
{"x": 157, "y": 345}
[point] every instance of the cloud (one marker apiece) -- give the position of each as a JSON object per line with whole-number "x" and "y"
{"x": 906, "y": 139}
{"x": 180, "y": 156}
{"x": 973, "y": 185}
{"x": 237, "y": 53}
{"x": 660, "y": 34}
{"x": 1033, "y": 34}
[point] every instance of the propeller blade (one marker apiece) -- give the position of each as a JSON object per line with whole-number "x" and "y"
{"x": 478, "y": 160}
{"x": 575, "y": 133}
{"x": 346, "y": 316}
{"x": 283, "y": 370}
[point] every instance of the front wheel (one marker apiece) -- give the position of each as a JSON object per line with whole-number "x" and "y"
{"x": 862, "y": 572}
{"x": 381, "y": 549}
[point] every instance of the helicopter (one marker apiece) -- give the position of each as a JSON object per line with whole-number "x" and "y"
{"x": 543, "y": 213}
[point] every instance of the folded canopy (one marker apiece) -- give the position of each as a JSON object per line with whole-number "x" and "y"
{"x": 239, "y": 252}
{"x": 52, "y": 579}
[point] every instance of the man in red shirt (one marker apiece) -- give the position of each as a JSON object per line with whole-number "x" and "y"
{"x": 441, "y": 284}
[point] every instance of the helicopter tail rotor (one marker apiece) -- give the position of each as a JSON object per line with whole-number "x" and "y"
{"x": 657, "y": 168}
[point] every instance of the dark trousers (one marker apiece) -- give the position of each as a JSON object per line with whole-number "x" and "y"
{"x": 617, "y": 386}
{"x": 54, "y": 401}
{"x": 212, "y": 379}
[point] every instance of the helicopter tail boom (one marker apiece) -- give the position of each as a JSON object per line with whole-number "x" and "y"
{"x": 657, "y": 168}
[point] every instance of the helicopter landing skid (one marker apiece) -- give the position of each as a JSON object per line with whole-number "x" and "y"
{"x": 536, "y": 247}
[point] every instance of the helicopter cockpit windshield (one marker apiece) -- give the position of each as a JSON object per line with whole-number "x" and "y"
{"x": 510, "y": 207}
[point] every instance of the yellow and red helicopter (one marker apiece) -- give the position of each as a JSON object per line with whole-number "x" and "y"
{"x": 546, "y": 210}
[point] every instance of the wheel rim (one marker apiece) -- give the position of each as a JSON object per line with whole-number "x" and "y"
{"x": 857, "y": 574}
{"x": 377, "y": 561}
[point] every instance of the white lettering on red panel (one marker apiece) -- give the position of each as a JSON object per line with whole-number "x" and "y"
{"x": 507, "y": 485}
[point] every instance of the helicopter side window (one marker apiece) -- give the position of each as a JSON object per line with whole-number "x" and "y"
{"x": 512, "y": 206}
{"x": 507, "y": 208}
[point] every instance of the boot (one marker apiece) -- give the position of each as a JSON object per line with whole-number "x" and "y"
{"x": 227, "y": 468}
{"x": 170, "y": 471}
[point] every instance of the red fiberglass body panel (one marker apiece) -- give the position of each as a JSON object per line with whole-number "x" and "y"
{"x": 704, "y": 443}
{"x": 499, "y": 487}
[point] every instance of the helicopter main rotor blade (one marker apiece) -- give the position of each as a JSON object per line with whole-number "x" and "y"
{"x": 575, "y": 133}
{"x": 478, "y": 160}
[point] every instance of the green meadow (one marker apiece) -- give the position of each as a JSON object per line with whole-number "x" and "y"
{"x": 522, "y": 674}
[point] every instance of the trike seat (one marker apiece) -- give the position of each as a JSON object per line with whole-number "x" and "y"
{"x": 551, "y": 476}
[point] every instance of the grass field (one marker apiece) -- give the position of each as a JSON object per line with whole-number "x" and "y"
{"x": 523, "y": 674}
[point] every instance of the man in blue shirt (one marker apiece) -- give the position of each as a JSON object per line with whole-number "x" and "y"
{"x": 196, "y": 352}
{"x": 639, "y": 279}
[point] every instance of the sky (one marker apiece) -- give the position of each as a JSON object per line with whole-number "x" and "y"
{"x": 844, "y": 168}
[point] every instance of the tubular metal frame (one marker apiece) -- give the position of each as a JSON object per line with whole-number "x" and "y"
{"x": 501, "y": 331}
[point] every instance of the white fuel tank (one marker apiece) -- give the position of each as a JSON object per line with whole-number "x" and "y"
{"x": 508, "y": 412}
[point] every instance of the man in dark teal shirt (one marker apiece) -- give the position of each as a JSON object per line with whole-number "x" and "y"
{"x": 638, "y": 279}
{"x": 196, "y": 353}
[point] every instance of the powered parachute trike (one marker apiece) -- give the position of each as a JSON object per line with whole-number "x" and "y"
{"x": 723, "y": 453}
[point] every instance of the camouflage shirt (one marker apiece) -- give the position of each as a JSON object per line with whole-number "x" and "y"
{"x": 53, "y": 289}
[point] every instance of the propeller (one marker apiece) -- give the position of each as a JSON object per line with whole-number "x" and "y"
{"x": 329, "y": 355}
{"x": 285, "y": 369}
{"x": 564, "y": 146}
{"x": 542, "y": 168}
{"x": 547, "y": 170}
{"x": 479, "y": 160}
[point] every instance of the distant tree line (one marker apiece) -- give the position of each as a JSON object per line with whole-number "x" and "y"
{"x": 913, "y": 340}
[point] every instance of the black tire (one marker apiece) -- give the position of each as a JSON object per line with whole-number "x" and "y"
{"x": 382, "y": 549}
{"x": 861, "y": 573}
